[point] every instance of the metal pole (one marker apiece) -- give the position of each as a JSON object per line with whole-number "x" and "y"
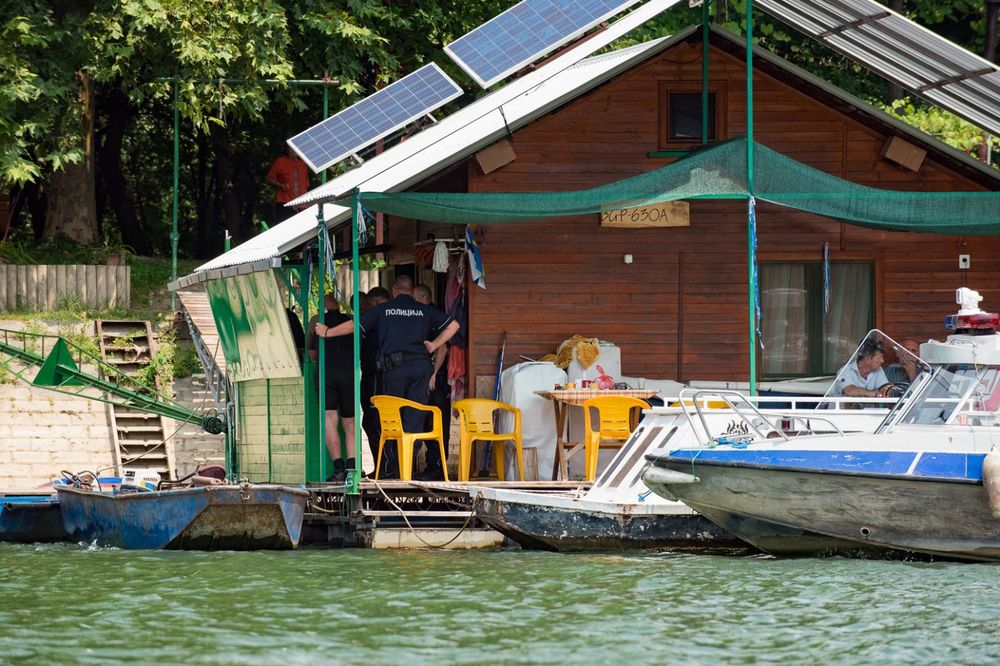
{"x": 174, "y": 235}
{"x": 704, "y": 73}
{"x": 326, "y": 114}
{"x": 321, "y": 345}
{"x": 751, "y": 222}
{"x": 354, "y": 475}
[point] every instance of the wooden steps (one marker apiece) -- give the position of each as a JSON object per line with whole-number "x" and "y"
{"x": 141, "y": 440}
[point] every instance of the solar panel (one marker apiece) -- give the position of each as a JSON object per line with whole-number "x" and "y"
{"x": 374, "y": 117}
{"x": 517, "y": 37}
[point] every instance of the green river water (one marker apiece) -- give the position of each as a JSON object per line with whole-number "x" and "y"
{"x": 76, "y": 605}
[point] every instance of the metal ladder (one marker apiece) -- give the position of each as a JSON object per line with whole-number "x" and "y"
{"x": 140, "y": 437}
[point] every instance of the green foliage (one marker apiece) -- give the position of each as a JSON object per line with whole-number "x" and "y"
{"x": 945, "y": 126}
{"x": 186, "y": 361}
{"x": 37, "y": 97}
{"x": 160, "y": 371}
{"x": 81, "y": 335}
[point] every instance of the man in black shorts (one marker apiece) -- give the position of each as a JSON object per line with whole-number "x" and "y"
{"x": 339, "y": 389}
{"x": 407, "y": 333}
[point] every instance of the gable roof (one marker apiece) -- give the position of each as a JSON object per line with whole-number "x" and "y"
{"x": 490, "y": 118}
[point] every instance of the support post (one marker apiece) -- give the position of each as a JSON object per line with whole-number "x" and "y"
{"x": 174, "y": 234}
{"x": 704, "y": 73}
{"x": 320, "y": 344}
{"x": 354, "y": 475}
{"x": 751, "y": 218}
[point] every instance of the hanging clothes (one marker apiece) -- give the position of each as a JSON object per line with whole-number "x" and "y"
{"x": 475, "y": 259}
{"x": 440, "y": 262}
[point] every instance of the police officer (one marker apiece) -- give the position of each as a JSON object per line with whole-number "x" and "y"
{"x": 408, "y": 333}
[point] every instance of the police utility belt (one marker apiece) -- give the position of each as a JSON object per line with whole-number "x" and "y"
{"x": 385, "y": 362}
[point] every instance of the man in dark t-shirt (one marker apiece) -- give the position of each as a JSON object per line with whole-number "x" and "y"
{"x": 338, "y": 356}
{"x": 407, "y": 334}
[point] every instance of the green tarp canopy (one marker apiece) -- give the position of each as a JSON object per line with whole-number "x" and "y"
{"x": 717, "y": 172}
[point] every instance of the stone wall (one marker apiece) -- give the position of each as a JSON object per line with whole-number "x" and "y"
{"x": 192, "y": 445}
{"x": 43, "y": 433}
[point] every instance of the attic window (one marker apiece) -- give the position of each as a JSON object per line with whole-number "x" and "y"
{"x": 684, "y": 117}
{"x": 680, "y": 114}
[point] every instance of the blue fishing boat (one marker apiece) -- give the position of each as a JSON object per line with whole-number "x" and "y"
{"x": 30, "y": 518}
{"x": 927, "y": 481}
{"x": 212, "y": 517}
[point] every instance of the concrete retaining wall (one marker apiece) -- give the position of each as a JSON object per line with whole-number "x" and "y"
{"x": 43, "y": 433}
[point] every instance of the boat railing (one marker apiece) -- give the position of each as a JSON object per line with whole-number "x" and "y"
{"x": 747, "y": 411}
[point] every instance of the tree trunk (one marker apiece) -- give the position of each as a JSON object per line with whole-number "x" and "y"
{"x": 72, "y": 209}
{"x": 228, "y": 205}
{"x": 120, "y": 113}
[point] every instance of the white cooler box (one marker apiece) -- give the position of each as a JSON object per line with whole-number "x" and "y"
{"x": 538, "y": 424}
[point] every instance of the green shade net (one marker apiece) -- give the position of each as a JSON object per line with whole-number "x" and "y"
{"x": 717, "y": 172}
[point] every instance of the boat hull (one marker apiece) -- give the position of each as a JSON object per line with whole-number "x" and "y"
{"x": 808, "y": 512}
{"x": 264, "y": 517}
{"x": 31, "y": 519}
{"x": 535, "y": 526}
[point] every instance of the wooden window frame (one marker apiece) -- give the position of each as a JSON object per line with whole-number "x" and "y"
{"x": 664, "y": 90}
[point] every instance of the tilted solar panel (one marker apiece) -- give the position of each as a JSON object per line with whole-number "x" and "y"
{"x": 517, "y": 37}
{"x": 374, "y": 117}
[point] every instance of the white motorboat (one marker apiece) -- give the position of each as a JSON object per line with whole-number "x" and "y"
{"x": 914, "y": 485}
{"x": 619, "y": 512}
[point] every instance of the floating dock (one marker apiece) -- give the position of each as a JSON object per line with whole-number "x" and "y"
{"x": 406, "y": 514}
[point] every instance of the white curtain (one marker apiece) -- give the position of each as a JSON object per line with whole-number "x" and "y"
{"x": 785, "y": 326}
{"x": 792, "y": 310}
{"x": 850, "y": 316}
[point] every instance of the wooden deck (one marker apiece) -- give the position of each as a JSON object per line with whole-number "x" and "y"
{"x": 406, "y": 514}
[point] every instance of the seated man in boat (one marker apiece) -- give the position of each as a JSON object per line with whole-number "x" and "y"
{"x": 904, "y": 370}
{"x": 863, "y": 377}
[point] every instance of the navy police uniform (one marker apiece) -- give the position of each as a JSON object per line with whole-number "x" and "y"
{"x": 400, "y": 328}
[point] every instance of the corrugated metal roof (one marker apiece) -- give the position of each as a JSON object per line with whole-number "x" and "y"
{"x": 903, "y": 52}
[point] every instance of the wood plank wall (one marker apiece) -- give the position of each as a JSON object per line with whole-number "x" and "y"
{"x": 39, "y": 288}
{"x": 680, "y": 310}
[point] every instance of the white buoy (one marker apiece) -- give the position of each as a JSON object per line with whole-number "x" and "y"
{"x": 991, "y": 481}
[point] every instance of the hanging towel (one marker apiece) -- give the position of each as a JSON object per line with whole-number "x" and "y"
{"x": 440, "y": 263}
{"x": 475, "y": 259}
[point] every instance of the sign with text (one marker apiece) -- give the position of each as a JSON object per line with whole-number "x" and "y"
{"x": 666, "y": 214}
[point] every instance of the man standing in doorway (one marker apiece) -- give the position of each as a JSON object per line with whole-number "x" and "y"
{"x": 407, "y": 334}
{"x": 440, "y": 397}
{"x": 290, "y": 178}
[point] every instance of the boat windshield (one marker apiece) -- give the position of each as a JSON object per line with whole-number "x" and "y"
{"x": 960, "y": 394}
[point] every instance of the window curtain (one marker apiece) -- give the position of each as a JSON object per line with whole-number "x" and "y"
{"x": 785, "y": 313}
{"x": 850, "y": 316}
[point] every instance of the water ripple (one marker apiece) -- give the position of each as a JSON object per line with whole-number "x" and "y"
{"x": 83, "y": 605}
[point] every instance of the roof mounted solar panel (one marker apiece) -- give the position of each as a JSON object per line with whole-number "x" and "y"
{"x": 375, "y": 117}
{"x": 523, "y": 33}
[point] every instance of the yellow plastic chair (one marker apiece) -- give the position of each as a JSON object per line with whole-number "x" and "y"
{"x": 617, "y": 417}
{"x": 476, "y": 423}
{"x": 390, "y": 416}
